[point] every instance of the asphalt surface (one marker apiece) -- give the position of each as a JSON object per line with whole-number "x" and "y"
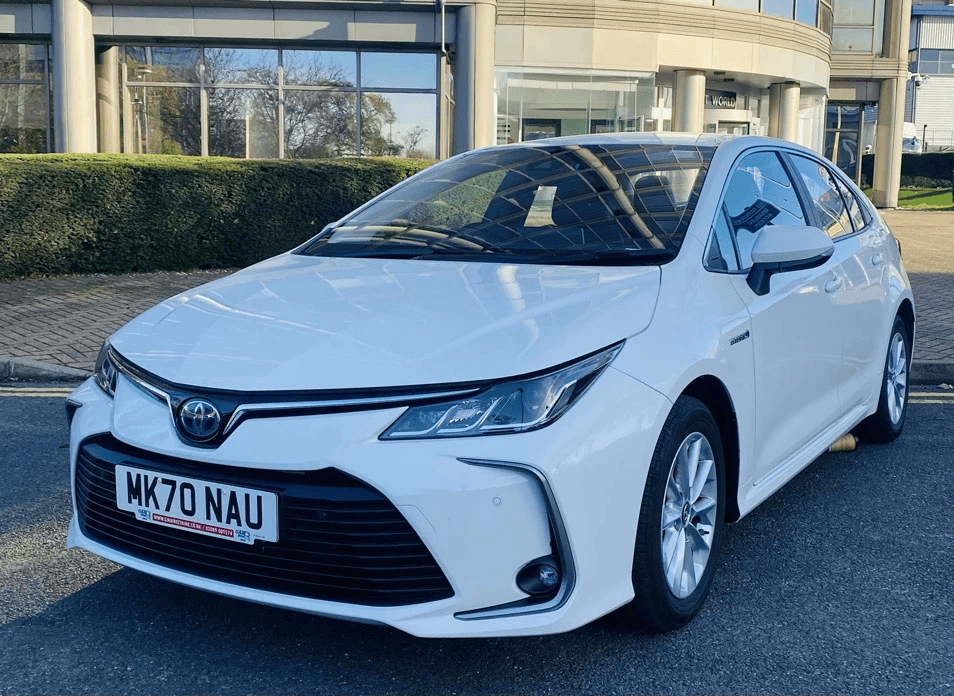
{"x": 841, "y": 583}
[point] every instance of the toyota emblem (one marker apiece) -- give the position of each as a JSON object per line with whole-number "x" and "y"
{"x": 199, "y": 420}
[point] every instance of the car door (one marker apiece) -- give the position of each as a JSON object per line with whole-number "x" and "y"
{"x": 861, "y": 299}
{"x": 796, "y": 335}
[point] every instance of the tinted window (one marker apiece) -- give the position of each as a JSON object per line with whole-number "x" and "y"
{"x": 720, "y": 255}
{"x": 855, "y": 209}
{"x": 760, "y": 193}
{"x": 607, "y": 204}
{"x": 830, "y": 209}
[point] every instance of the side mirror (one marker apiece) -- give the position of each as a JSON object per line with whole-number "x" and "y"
{"x": 782, "y": 248}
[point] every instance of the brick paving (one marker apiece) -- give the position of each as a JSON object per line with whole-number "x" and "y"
{"x": 64, "y": 321}
{"x": 927, "y": 247}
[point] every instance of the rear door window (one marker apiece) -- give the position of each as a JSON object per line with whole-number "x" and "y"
{"x": 830, "y": 209}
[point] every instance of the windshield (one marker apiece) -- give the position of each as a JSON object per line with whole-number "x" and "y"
{"x": 571, "y": 204}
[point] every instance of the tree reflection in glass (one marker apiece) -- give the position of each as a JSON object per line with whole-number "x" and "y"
{"x": 320, "y": 122}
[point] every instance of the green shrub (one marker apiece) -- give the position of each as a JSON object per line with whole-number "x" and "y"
{"x": 927, "y": 170}
{"x": 66, "y": 214}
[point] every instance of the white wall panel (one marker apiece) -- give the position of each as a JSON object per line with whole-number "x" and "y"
{"x": 937, "y": 32}
{"x": 153, "y": 21}
{"x": 934, "y": 110}
{"x": 232, "y": 23}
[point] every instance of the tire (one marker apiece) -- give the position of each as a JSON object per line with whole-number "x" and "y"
{"x": 669, "y": 592}
{"x": 885, "y": 424}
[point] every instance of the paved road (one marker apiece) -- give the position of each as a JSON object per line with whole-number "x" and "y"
{"x": 843, "y": 582}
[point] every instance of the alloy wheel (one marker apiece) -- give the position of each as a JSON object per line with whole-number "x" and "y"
{"x": 689, "y": 515}
{"x": 896, "y": 379}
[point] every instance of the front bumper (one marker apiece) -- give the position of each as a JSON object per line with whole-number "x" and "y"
{"x": 483, "y": 507}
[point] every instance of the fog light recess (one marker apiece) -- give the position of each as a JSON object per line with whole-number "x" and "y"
{"x": 541, "y": 576}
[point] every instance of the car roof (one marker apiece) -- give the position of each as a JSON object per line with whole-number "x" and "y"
{"x": 732, "y": 143}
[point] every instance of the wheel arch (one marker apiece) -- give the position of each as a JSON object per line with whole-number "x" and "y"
{"x": 712, "y": 392}
{"x": 906, "y": 312}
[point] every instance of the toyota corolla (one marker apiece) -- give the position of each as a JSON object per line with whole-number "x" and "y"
{"x": 524, "y": 388}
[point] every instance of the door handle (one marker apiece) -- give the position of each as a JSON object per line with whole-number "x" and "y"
{"x": 877, "y": 259}
{"x": 833, "y": 284}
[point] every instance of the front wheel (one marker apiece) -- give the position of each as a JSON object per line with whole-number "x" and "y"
{"x": 887, "y": 422}
{"x": 680, "y": 521}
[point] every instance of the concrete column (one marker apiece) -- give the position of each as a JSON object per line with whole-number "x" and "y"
{"x": 689, "y": 101}
{"x": 74, "y": 77}
{"x": 476, "y": 121}
{"x": 888, "y": 137}
{"x": 890, "y": 131}
{"x": 108, "y": 98}
{"x": 783, "y": 110}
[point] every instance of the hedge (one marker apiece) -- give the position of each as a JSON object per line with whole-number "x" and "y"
{"x": 71, "y": 214}
{"x": 927, "y": 170}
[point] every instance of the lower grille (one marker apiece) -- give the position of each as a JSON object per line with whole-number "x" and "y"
{"x": 339, "y": 539}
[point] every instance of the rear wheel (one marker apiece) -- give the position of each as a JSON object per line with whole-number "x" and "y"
{"x": 680, "y": 521}
{"x": 887, "y": 422}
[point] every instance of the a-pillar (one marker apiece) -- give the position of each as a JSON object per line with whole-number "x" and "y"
{"x": 474, "y": 77}
{"x": 689, "y": 101}
{"x": 783, "y": 110}
{"x": 107, "y": 98}
{"x": 74, "y": 77}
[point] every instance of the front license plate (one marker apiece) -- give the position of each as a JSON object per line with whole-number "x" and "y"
{"x": 214, "y": 509}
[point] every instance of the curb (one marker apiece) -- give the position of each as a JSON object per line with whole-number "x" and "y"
{"x": 932, "y": 372}
{"x": 24, "y": 370}
{"x": 923, "y": 372}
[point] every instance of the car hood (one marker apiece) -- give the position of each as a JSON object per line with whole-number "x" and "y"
{"x": 297, "y": 322}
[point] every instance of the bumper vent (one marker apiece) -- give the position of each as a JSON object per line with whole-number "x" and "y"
{"x": 339, "y": 539}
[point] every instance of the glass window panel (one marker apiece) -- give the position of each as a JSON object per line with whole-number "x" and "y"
{"x": 830, "y": 210}
{"x": 619, "y": 104}
{"x": 165, "y": 120}
{"x": 779, "y": 8}
{"x": 806, "y": 11}
{"x": 320, "y": 68}
{"x": 851, "y": 40}
{"x": 243, "y": 123}
{"x": 841, "y": 147}
{"x": 759, "y": 194}
{"x": 319, "y": 123}
{"x": 22, "y": 61}
{"x": 23, "y": 119}
{"x": 399, "y": 125}
{"x": 855, "y": 210}
{"x": 930, "y": 54}
{"x": 825, "y": 19}
{"x": 541, "y": 104}
{"x": 751, "y": 5}
{"x": 399, "y": 70}
{"x": 163, "y": 64}
{"x": 854, "y": 12}
{"x": 842, "y": 117}
{"x": 241, "y": 66}
{"x": 720, "y": 256}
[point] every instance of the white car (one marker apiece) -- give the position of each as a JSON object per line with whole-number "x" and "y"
{"x": 522, "y": 389}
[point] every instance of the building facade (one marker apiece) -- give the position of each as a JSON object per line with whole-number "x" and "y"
{"x": 930, "y": 94}
{"x": 429, "y": 78}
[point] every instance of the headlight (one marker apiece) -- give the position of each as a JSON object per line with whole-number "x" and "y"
{"x": 508, "y": 407}
{"x": 106, "y": 373}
